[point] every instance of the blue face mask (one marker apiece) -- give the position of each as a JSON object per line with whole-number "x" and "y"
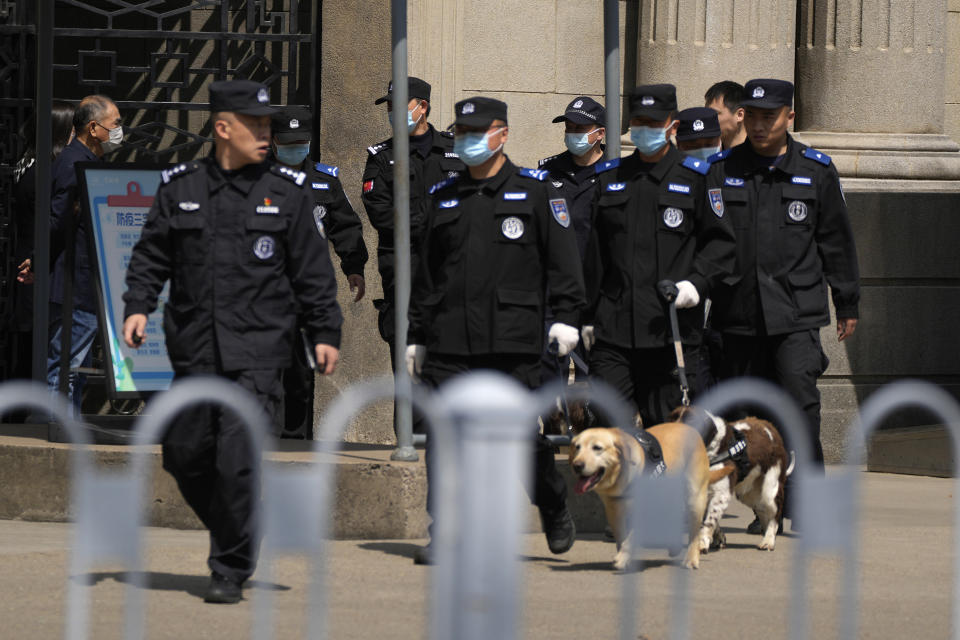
{"x": 473, "y": 148}
{"x": 648, "y": 140}
{"x": 411, "y": 123}
{"x": 703, "y": 153}
{"x": 292, "y": 154}
{"x": 577, "y": 143}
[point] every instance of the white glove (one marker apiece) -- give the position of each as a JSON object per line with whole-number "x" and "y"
{"x": 565, "y": 336}
{"x": 586, "y": 334}
{"x": 687, "y": 295}
{"x": 416, "y": 353}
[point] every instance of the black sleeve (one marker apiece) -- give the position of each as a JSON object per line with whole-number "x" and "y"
{"x": 593, "y": 263}
{"x": 150, "y": 261}
{"x": 63, "y": 198}
{"x": 716, "y": 256}
{"x": 378, "y": 194}
{"x": 563, "y": 267}
{"x": 311, "y": 276}
{"x": 836, "y": 246}
{"x": 420, "y": 309}
{"x": 346, "y": 232}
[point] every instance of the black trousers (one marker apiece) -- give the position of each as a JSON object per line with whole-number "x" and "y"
{"x": 209, "y": 453}
{"x": 298, "y": 390}
{"x": 792, "y": 361}
{"x": 549, "y": 492}
{"x": 385, "y": 323}
{"x": 647, "y": 378}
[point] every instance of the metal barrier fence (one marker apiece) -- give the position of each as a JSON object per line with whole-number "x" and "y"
{"x": 478, "y": 421}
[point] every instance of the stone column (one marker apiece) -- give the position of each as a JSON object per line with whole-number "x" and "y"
{"x": 694, "y": 43}
{"x": 870, "y": 88}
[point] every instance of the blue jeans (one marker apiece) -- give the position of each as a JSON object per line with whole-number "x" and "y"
{"x": 83, "y": 332}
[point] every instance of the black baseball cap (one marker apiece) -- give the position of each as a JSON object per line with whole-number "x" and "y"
{"x": 292, "y": 124}
{"x": 698, "y": 122}
{"x": 416, "y": 88}
{"x": 655, "y": 101}
{"x": 480, "y": 112}
{"x": 584, "y": 110}
{"x": 240, "y": 96}
{"x": 766, "y": 93}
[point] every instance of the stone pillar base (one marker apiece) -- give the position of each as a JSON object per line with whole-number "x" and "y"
{"x": 890, "y": 161}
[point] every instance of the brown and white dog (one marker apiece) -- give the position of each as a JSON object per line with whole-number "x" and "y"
{"x": 606, "y": 460}
{"x": 757, "y": 482}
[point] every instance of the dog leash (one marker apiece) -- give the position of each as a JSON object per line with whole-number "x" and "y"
{"x": 668, "y": 290}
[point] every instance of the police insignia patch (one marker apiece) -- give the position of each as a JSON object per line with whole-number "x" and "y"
{"x": 512, "y": 227}
{"x": 321, "y": 186}
{"x": 733, "y": 182}
{"x": 262, "y": 96}
{"x": 698, "y": 125}
{"x": 448, "y": 204}
{"x": 189, "y": 206}
{"x": 647, "y": 101}
{"x": 263, "y": 248}
{"x": 515, "y": 195}
{"x": 560, "y": 213}
{"x": 672, "y": 217}
{"x": 758, "y": 92}
{"x": 616, "y": 186}
{"x": 368, "y": 186}
{"x": 557, "y": 183}
{"x": 578, "y": 104}
{"x": 319, "y": 212}
{"x": 678, "y": 188}
{"x": 797, "y": 211}
{"x": 716, "y": 201}
{"x": 467, "y": 108}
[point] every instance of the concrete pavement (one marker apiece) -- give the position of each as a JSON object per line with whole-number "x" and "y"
{"x": 376, "y": 592}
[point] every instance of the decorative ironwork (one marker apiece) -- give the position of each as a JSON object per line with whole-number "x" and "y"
{"x": 155, "y": 58}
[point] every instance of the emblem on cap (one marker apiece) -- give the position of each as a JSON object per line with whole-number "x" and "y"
{"x": 672, "y": 217}
{"x": 512, "y": 227}
{"x": 294, "y": 124}
{"x": 797, "y": 211}
{"x": 646, "y": 101}
{"x": 467, "y": 108}
{"x": 758, "y": 92}
{"x": 263, "y": 96}
{"x": 698, "y": 125}
{"x": 263, "y": 247}
{"x": 578, "y": 104}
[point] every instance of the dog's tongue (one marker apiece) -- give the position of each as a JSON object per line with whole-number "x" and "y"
{"x": 583, "y": 485}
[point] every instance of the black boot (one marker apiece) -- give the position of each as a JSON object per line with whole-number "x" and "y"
{"x": 222, "y": 590}
{"x": 559, "y": 529}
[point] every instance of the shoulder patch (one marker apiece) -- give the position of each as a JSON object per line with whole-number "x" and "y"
{"x": 180, "y": 170}
{"x": 442, "y": 184}
{"x": 536, "y": 174}
{"x": 695, "y": 164}
{"x": 292, "y": 175}
{"x": 329, "y": 169}
{"x": 720, "y": 155}
{"x": 547, "y": 159}
{"x": 819, "y": 156}
{"x": 377, "y": 148}
{"x": 607, "y": 165}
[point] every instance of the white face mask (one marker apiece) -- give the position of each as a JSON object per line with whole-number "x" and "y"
{"x": 115, "y": 140}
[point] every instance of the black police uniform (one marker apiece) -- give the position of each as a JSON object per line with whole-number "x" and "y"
{"x": 478, "y": 298}
{"x": 793, "y": 238}
{"x": 432, "y": 160}
{"x": 339, "y": 223}
{"x": 651, "y": 223}
{"x": 239, "y": 248}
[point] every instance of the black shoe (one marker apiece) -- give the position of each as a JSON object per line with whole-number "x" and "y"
{"x": 559, "y": 529}
{"x": 754, "y": 527}
{"x": 424, "y": 554}
{"x": 222, "y": 590}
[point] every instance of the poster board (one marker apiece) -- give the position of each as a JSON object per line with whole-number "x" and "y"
{"x": 115, "y": 199}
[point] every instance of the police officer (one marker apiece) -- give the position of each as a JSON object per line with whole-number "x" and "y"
{"x": 339, "y": 223}
{"x": 794, "y": 238}
{"x": 432, "y": 159}
{"x": 699, "y": 135}
{"x": 237, "y": 240}
{"x": 494, "y": 237}
{"x": 653, "y": 220}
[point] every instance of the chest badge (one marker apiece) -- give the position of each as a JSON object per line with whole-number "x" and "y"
{"x": 319, "y": 213}
{"x": 733, "y": 182}
{"x": 797, "y": 211}
{"x": 264, "y": 247}
{"x": 560, "y": 213}
{"x": 268, "y": 208}
{"x": 557, "y": 183}
{"x": 512, "y": 227}
{"x": 320, "y": 186}
{"x": 716, "y": 201}
{"x": 189, "y": 206}
{"x": 616, "y": 186}
{"x": 514, "y": 195}
{"x": 448, "y": 204}
{"x": 672, "y": 217}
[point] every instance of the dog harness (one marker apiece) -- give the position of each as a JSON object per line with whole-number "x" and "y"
{"x": 737, "y": 453}
{"x": 652, "y": 452}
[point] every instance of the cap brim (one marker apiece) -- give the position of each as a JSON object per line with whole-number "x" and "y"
{"x": 760, "y": 103}
{"x": 656, "y": 114}
{"x": 576, "y": 118}
{"x": 293, "y": 136}
{"x": 386, "y": 98}
{"x": 697, "y": 136}
{"x": 265, "y": 110}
